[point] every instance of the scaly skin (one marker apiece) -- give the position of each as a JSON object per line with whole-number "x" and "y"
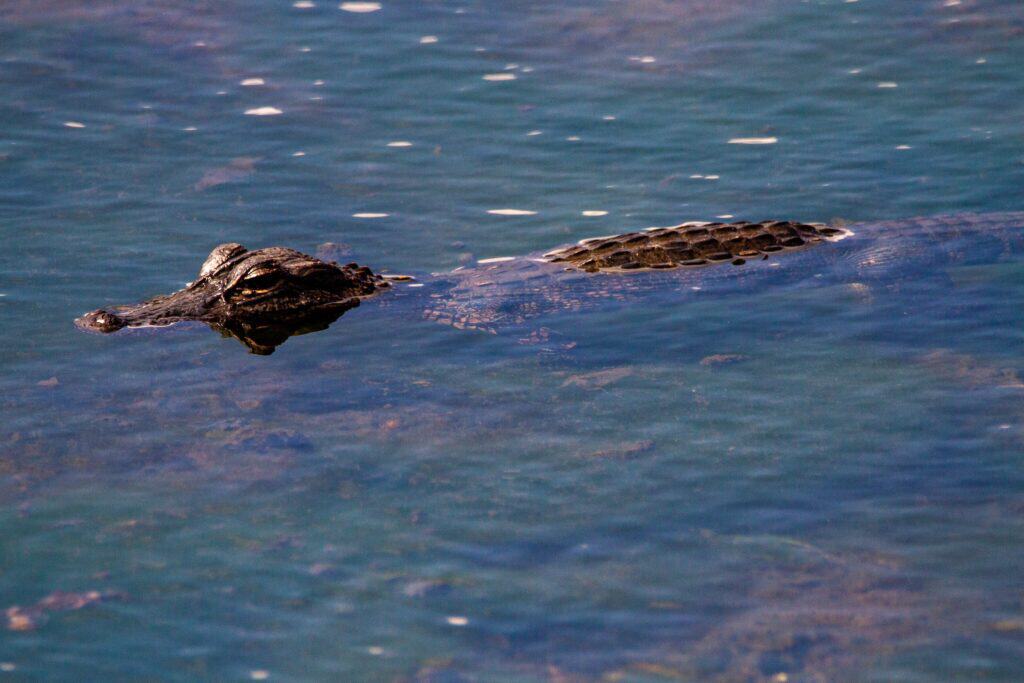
{"x": 263, "y": 296}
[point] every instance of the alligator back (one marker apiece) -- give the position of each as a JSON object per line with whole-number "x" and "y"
{"x": 718, "y": 258}
{"x": 692, "y": 244}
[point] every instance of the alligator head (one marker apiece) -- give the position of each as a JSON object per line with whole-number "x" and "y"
{"x": 261, "y": 297}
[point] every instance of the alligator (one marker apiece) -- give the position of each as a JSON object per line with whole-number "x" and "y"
{"x": 264, "y": 296}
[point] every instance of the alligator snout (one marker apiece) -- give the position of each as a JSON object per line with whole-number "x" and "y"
{"x": 100, "y": 321}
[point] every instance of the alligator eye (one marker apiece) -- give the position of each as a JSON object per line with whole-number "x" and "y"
{"x": 261, "y": 277}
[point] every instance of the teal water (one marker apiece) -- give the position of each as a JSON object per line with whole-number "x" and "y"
{"x": 391, "y": 499}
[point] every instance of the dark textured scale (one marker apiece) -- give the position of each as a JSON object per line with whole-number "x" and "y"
{"x": 705, "y": 245}
{"x": 751, "y": 229}
{"x": 681, "y": 254}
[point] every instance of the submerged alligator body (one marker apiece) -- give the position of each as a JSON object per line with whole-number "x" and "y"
{"x": 264, "y": 296}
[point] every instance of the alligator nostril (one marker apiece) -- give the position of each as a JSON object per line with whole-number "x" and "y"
{"x": 101, "y": 321}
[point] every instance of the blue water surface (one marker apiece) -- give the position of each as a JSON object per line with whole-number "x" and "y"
{"x": 806, "y": 486}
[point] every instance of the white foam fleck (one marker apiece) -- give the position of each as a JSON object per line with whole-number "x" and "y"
{"x": 359, "y": 7}
{"x": 249, "y": 82}
{"x": 511, "y": 212}
{"x": 648, "y": 60}
{"x": 73, "y": 124}
{"x": 726, "y": 216}
{"x": 696, "y": 176}
{"x": 497, "y": 259}
{"x": 511, "y": 67}
{"x": 7, "y": 666}
{"x": 981, "y": 60}
{"x": 428, "y": 40}
{"x": 305, "y": 49}
{"x": 299, "y": 154}
{"x": 259, "y": 674}
{"x": 573, "y": 138}
{"x": 888, "y": 85}
{"x": 753, "y": 141}
{"x": 190, "y": 129}
{"x": 263, "y": 111}
{"x": 370, "y": 215}
{"x": 843, "y": 234}
{"x": 711, "y": 177}
{"x": 855, "y": 71}
{"x": 527, "y": 69}
{"x": 375, "y": 650}
{"x": 591, "y": 214}
{"x": 500, "y": 77}
{"x": 400, "y": 143}
{"x": 608, "y": 117}
{"x": 415, "y": 284}
{"x": 696, "y": 289}
{"x": 903, "y": 147}
{"x": 318, "y": 82}
{"x": 303, "y": 4}
{"x": 535, "y": 132}
{"x": 316, "y": 98}
{"x": 457, "y": 621}
{"x": 951, "y": 3}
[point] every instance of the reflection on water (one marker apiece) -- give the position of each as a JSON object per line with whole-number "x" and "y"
{"x": 262, "y": 339}
{"x": 812, "y": 482}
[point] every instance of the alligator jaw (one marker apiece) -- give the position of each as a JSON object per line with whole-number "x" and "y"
{"x": 190, "y": 303}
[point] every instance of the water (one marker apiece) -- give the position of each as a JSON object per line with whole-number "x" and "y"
{"x": 838, "y": 499}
